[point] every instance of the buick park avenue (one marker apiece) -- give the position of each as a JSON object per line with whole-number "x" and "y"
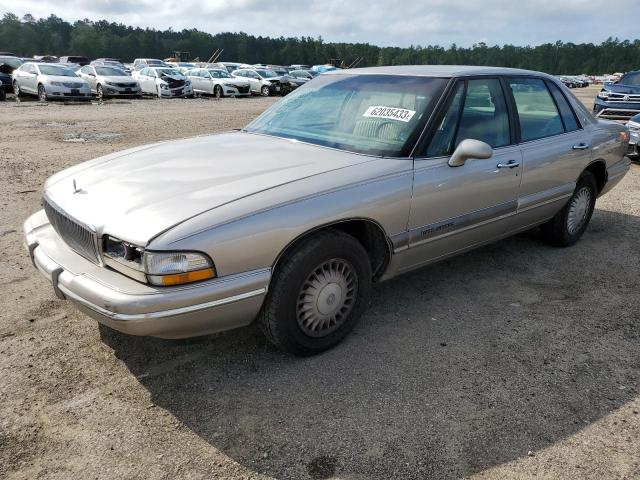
{"x": 354, "y": 178}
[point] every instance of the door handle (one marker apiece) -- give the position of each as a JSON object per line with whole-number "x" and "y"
{"x": 509, "y": 164}
{"x": 581, "y": 146}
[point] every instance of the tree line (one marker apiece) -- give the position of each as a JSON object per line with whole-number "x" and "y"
{"x": 28, "y": 36}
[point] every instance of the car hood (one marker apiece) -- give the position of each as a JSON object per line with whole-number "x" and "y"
{"x": 234, "y": 82}
{"x": 620, "y": 88}
{"x": 62, "y": 78}
{"x": 117, "y": 79}
{"x": 137, "y": 194}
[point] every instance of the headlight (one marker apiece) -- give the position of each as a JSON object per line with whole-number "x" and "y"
{"x": 157, "y": 268}
{"x": 187, "y": 83}
{"x": 165, "y": 86}
{"x": 604, "y": 95}
{"x": 633, "y": 126}
{"x": 111, "y": 83}
{"x": 56, "y": 84}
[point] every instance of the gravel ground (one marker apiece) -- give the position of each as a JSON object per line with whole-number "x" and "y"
{"x": 516, "y": 360}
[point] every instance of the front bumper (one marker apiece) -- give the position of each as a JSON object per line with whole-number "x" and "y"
{"x": 138, "y": 309}
{"x": 54, "y": 91}
{"x": 182, "y": 91}
{"x": 113, "y": 91}
{"x": 615, "y": 109}
{"x": 233, "y": 91}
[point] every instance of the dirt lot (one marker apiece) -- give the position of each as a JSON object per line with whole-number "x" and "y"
{"x": 517, "y": 360}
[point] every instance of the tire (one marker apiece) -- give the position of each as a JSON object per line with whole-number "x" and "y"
{"x": 16, "y": 89}
{"x": 264, "y": 91}
{"x": 100, "y": 92}
{"x": 3, "y": 94}
{"x": 42, "y": 93}
{"x": 217, "y": 91}
{"x": 291, "y": 318}
{"x": 569, "y": 224}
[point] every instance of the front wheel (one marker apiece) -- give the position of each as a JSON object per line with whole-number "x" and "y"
{"x": 264, "y": 91}
{"x": 569, "y": 224}
{"x": 217, "y": 91}
{"x": 42, "y": 93}
{"x": 16, "y": 89}
{"x": 100, "y": 92}
{"x": 317, "y": 294}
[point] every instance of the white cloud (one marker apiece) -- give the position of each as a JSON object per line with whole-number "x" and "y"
{"x": 414, "y": 22}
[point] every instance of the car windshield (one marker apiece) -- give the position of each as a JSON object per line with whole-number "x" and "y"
{"x": 369, "y": 114}
{"x": 110, "y": 72}
{"x": 169, "y": 71}
{"x": 631, "y": 79}
{"x": 11, "y": 61}
{"x": 154, "y": 62}
{"x": 267, "y": 73}
{"x": 185, "y": 64}
{"x": 219, "y": 74}
{"x": 58, "y": 70}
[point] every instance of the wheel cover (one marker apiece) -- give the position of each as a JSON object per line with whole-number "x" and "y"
{"x": 326, "y": 298}
{"x": 578, "y": 210}
{"x": 16, "y": 88}
{"x": 42, "y": 94}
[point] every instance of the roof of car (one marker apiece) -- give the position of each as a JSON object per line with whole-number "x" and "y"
{"x": 436, "y": 71}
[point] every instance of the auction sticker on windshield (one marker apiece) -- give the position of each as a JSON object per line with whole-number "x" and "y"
{"x": 390, "y": 113}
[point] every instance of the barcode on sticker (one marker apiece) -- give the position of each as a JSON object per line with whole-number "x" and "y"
{"x": 390, "y": 113}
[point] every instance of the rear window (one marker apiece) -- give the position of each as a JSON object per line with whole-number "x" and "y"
{"x": 537, "y": 112}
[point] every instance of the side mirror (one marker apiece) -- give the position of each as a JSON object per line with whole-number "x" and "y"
{"x": 469, "y": 149}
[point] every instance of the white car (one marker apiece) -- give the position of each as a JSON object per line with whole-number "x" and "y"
{"x": 182, "y": 67}
{"x": 217, "y": 82}
{"x": 164, "y": 82}
{"x": 47, "y": 81}
{"x": 140, "y": 63}
{"x": 109, "y": 81}
{"x": 263, "y": 82}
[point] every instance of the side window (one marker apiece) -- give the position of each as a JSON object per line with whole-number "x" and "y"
{"x": 484, "y": 115}
{"x": 480, "y": 113}
{"x": 442, "y": 141}
{"x": 568, "y": 116}
{"x": 537, "y": 112}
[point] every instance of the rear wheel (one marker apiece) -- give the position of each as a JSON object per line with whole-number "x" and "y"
{"x": 317, "y": 294}
{"x": 264, "y": 91}
{"x": 42, "y": 93}
{"x": 569, "y": 224}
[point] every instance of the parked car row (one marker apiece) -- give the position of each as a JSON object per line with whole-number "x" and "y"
{"x": 75, "y": 77}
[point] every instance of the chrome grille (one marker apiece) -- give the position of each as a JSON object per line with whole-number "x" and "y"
{"x": 78, "y": 237}
{"x": 624, "y": 97}
{"x": 72, "y": 85}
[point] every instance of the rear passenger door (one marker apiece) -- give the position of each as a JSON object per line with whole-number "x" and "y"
{"x": 554, "y": 146}
{"x": 455, "y": 208}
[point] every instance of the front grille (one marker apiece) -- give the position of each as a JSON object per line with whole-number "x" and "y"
{"x": 243, "y": 89}
{"x": 125, "y": 85}
{"x": 624, "y": 97}
{"x": 78, "y": 237}
{"x": 72, "y": 85}
{"x": 617, "y": 112}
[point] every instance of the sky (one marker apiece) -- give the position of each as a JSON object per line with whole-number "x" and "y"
{"x": 391, "y": 23}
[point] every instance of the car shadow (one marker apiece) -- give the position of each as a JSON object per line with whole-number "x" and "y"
{"x": 455, "y": 368}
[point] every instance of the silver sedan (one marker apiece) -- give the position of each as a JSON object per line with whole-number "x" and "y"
{"x": 108, "y": 81}
{"x": 354, "y": 178}
{"x": 217, "y": 82}
{"x": 49, "y": 81}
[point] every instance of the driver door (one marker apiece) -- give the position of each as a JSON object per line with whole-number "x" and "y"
{"x": 456, "y": 208}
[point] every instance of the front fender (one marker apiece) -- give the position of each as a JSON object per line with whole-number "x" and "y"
{"x": 251, "y": 233}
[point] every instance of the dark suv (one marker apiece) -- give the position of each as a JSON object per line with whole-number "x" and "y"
{"x": 82, "y": 61}
{"x": 619, "y": 99}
